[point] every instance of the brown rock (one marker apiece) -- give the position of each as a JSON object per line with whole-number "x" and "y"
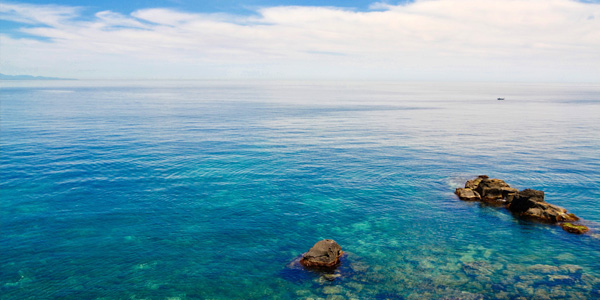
{"x": 530, "y": 204}
{"x": 467, "y": 194}
{"x": 324, "y": 254}
{"x": 495, "y": 189}
{"x": 573, "y": 217}
{"x": 473, "y": 183}
{"x": 509, "y": 194}
{"x": 527, "y": 203}
{"x": 573, "y": 228}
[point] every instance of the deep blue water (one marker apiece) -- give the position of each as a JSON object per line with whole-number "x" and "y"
{"x": 209, "y": 190}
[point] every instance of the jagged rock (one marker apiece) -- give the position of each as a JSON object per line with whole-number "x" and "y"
{"x": 527, "y": 203}
{"x": 473, "y": 183}
{"x": 492, "y": 189}
{"x": 509, "y": 194}
{"x": 324, "y": 254}
{"x": 530, "y": 204}
{"x": 467, "y": 194}
{"x": 573, "y": 217}
{"x": 525, "y": 200}
{"x": 573, "y": 228}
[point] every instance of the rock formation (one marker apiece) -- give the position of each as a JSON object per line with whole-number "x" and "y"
{"x": 467, "y": 194}
{"x": 530, "y": 204}
{"x": 572, "y": 228}
{"x": 495, "y": 189}
{"x": 527, "y": 203}
{"x": 324, "y": 254}
{"x": 486, "y": 189}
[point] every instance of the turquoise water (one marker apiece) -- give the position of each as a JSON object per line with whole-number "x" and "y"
{"x": 210, "y": 190}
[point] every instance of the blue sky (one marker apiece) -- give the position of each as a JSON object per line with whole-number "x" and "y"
{"x": 230, "y": 6}
{"x": 247, "y": 7}
{"x": 448, "y": 40}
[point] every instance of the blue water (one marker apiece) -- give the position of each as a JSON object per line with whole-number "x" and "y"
{"x": 210, "y": 190}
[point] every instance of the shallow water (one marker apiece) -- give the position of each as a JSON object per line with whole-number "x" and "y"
{"x": 209, "y": 190}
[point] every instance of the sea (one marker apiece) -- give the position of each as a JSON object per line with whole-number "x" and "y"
{"x": 214, "y": 189}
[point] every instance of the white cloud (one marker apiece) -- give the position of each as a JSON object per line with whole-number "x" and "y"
{"x": 110, "y": 19}
{"x": 37, "y": 14}
{"x": 427, "y": 39}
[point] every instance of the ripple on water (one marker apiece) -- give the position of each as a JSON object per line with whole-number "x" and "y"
{"x": 210, "y": 191}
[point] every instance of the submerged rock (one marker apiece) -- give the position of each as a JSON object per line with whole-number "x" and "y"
{"x": 477, "y": 268}
{"x": 571, "y": 269}
{"x": 324, "y": 254}
{"x": 572, "y": 228}
{"x": 530, "y": 204}
{"x": 563, "y": 279}
{"x": 545, "y": 269}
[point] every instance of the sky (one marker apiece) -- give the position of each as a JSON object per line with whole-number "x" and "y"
{"x": 417, "y": 40}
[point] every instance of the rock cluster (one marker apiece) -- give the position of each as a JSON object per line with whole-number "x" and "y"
{"x": 530, "y": 204}
{"x": 527, "y": 203}
{"x": 483, "y": 188}
{"x": 325, "y": 254}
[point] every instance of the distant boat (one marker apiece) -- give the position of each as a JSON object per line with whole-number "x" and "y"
{"x": 500, "y": 98}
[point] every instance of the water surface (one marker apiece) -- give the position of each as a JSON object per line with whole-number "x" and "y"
{"x": 208, "y": 190}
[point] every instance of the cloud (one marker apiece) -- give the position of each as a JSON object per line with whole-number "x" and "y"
{"x": 51, "y": 15}
{"x": 425, "y": 39}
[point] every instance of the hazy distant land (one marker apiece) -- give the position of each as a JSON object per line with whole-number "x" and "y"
{"x": 30, "y": 77}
